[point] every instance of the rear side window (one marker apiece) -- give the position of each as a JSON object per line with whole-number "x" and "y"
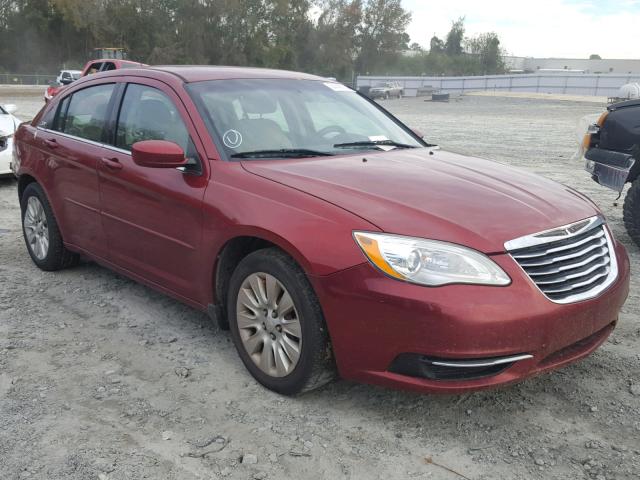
{"x": 148, "y": 114}
{"x": 48, "y": 119}
{"x": 84, "y": 114}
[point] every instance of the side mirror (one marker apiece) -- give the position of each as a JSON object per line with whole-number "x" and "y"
{"x": 417, "y": 132}
{"x": 158, "y": 154}
{"x": 10, "y": 108}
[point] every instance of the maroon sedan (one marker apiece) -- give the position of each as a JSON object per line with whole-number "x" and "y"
{"x": 325, "y": 233}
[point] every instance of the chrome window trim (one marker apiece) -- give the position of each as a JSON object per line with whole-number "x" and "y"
{"x": 589, "y": 223}
{"x": 108, "y": 146}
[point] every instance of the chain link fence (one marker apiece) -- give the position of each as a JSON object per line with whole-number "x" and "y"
{"x": 24, "y": 79}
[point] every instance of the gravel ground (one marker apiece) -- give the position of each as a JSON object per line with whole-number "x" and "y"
{"x": 101, "y": 378}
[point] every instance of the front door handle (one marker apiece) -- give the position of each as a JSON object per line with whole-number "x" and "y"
{"x": 51, "y": 143}
{"x": 111, "y": 163}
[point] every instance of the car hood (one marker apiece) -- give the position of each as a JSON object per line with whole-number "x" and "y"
{"x": 434, "y": 194}
{"x": 8, "y": 125}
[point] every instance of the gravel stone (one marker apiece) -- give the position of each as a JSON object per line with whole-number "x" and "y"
{"x": 249, "y": 459}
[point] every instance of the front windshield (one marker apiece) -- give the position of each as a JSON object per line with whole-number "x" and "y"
{"x": 262, "y": 118}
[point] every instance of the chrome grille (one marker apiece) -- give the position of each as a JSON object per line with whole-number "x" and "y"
{"x": 570, "y": 263}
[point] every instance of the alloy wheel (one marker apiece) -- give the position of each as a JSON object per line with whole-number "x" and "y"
{"x": 269, "y": 324}
{"x": 36, "y": 228}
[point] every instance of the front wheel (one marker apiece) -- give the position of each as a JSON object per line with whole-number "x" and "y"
{"x": 277, "y": 324}
{"x": 631, "y": 211}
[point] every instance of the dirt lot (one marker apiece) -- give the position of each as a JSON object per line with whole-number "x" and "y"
{"x": 101, "y": 378}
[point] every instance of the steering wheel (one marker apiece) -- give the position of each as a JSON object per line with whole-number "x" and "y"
{"x": 337, "y": 129}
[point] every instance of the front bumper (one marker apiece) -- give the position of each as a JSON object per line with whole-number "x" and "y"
{"x": 374, "y": 320}
{"x": 608, "y": 168}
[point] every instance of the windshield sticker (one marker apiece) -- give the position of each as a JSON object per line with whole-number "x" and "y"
{"x": 232, "y": 139}
{"x": 337, "y": 87}
{"x": 378, "y": 138}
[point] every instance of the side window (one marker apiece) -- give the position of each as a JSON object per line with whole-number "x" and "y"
{"x": 148, "y": 114}
{"x": 108, "y": 66}
{"x": 60, "y": 114}
{"x": 48, "y": 118}
{"x": 85, "y": 114}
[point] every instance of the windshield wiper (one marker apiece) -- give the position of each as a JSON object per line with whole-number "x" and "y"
{"x": 282, "y": 153}
{"x": 373, "y": 143}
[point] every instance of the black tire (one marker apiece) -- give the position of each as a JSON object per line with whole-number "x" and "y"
{"x": 315, "y": 366}
{"x": 57, "y": 257}
{"x": 631, "y": 211}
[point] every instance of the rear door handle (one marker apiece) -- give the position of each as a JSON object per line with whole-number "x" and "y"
{"x": 111, "y": 163}
{"x": 51, "y": 143}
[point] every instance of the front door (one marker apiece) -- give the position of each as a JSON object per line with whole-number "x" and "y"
{"x": 152, "y": 217}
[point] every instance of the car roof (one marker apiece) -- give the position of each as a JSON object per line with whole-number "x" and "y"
{"x": 200, "y": 73}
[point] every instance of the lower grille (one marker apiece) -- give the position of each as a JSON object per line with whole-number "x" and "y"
{"x": 421, "y": 366}
{"x": 569, "y": 263}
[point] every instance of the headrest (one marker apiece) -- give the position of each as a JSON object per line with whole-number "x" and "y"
{"x": 257, "y": 102}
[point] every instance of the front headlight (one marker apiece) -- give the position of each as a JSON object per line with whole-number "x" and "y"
{"x": 429, "y": 262}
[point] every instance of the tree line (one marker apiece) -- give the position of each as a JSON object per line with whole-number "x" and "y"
{"x": 337, "y": 38}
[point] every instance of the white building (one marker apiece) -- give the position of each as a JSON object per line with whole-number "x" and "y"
{"x": 573, "y": 65}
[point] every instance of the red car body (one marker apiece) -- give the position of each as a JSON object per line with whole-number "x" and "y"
{"x": 169, "y": 231}
{"x": 103, "y": 65}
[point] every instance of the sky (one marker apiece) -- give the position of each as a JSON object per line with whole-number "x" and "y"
{"x": 537, "y": 28}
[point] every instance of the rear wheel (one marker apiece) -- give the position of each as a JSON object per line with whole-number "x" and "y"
{"x": 277, "y": 324}
{"x": 41, "y": 232}
{"x": 632, "y": 211}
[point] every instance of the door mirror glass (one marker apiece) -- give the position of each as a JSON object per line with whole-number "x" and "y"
{"x": 158, "y": 154}
{"x": 10, "y": 108}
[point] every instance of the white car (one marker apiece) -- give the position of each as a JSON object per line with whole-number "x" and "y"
{"x": 8, "y": 126}
{"x": 65, "y": 77}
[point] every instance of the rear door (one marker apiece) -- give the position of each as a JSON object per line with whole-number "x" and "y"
{"x": 153, "y": 216}
{"x": 71, "y": 145}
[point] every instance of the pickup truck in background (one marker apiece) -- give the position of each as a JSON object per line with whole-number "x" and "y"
{"x": 612, "y": 157}
{"x": 93, "y": 66}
